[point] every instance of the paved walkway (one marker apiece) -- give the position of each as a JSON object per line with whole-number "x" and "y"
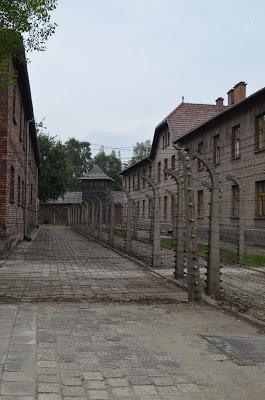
{"x": 113, "y": 331}
{"x": 62, "y": 265}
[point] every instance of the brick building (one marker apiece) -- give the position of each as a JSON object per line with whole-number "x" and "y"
{"x": 19, "y": 160}
{"x": 230, "y": 137}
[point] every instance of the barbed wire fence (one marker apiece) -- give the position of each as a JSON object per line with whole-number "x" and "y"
{"x": 232, "y": 283}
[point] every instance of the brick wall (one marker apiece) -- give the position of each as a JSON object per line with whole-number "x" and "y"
{"x": 249, "y": 168}
{"x": 13, "y": 128}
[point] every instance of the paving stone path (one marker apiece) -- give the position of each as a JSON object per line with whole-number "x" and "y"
{"x": 79, "y": 322}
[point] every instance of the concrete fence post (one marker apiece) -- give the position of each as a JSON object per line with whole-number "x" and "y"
{"x": 128, "y": 237}
{"x": 193, "y": 269}
{"x": 112, "y": 222}
{"x": 86, "y": 215}
{"x": 178, "y": 226}
{"x": 213, "y": 263}
{"x": 155, "y": 216}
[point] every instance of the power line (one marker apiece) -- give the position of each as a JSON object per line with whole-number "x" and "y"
{"x": 111, "y": 148}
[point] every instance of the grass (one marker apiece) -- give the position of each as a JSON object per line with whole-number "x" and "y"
{"x": 229, "y": 256}
{"x": 166, "y": 243}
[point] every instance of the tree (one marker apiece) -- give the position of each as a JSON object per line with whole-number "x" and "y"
{"x": 111, "y": 165}
{"x": 140, "y": 151}
{"x": 24, "y": 25}
{"x": 79, "y": 155}
{"x": 54, "y": 168}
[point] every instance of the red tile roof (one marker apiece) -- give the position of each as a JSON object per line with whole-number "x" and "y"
{"x": 188, "y": 116}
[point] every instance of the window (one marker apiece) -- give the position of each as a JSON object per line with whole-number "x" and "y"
{"x": 260, "y": 190}
{"x": 165, "y": 167}
{"x": 14, "y": 103}
{"x": 165, "y": 207}
{"x": 144, "y": 178}
{"x": 159, "y": 171}
{"x": 129, "y": 183}
{"x": 143, "y": 210}
{"x": 150, "y": 172}
{"x": 260, "y": 132}
{"x": 173, "y": 163}
{"x": 235, "y": 201}
{"x": 12, "y": 184}
{"x": 200, "y": 151}
{"x": 133, "y": 181}
{"x": 138, "y": 180}
{"x": 173, "y": 208}
{"x": 200, "y": 204}
{"x": 166, "y": 140}
{"x": 138, "y": 209}
{"x": 19, "y": 191}
{"x": 149, "y": 208}
{"x": 236, "y": 141}
{"x": 216, "y": 149}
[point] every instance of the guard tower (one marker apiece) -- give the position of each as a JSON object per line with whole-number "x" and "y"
{"x": 96, "y": 183}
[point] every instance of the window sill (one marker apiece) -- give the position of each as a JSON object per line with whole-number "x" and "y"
{"x": 200, "y": 217}
{"x": 257, "y": 151}
{"x": 235, "y": 158}
{"x": 257, "y": 217}
{"x": 234, "y": 217}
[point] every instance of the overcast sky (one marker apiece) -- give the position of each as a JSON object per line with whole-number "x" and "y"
{"x": 115, "y": 68}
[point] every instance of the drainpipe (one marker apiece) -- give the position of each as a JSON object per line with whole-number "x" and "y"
{"x": 37, "y": 199}
{"x": 26, "y": 237}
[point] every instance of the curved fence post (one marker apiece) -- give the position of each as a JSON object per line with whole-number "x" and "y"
{"x": 213, "y": 267}
{"x": 112, "y": 221}
{"x": 87, "y": 214}
{"x": 92, "y": 220}
{"x": 128, "y": 234}
{"x": 156, "y": 248}
{"x": 192, "y": 260}
{"x": 178, "y": 228}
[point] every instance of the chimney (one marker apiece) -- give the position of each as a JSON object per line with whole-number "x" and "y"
{"x": 230, "y": 97}
{"x": 239, "y": 92}
{"x": 219, "y": 102}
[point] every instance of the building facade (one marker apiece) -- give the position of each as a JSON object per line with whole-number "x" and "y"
{"x": 234, "y": 144}
{"x": 19, "y": 161}
{"x": 232, "y": 139}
